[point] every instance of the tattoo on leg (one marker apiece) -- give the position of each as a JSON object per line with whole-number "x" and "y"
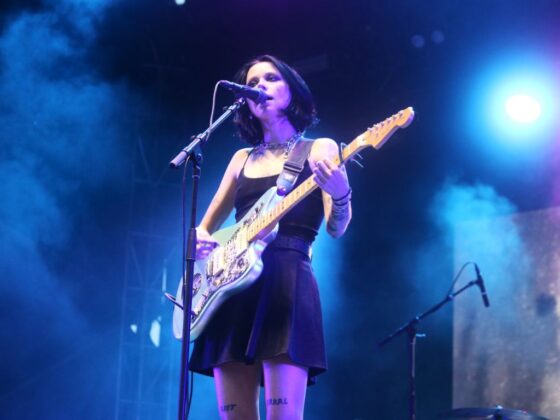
{"x": 277, "y": 401}
{"x": 227, "y": 407}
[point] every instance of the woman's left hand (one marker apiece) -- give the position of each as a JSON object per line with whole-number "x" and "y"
{"x": 331, "y": 178}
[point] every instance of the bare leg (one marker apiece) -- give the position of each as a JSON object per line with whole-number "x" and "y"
{"x": 285, "y": 385}
{"x": 237, "y": 389}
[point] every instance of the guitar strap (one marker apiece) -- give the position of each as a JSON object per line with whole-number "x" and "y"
{"x": 293, "y": 167}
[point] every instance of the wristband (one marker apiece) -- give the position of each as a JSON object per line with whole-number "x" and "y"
{"x": 346, "y": 197}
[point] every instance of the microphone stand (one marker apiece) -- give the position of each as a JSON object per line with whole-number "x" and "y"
{"x": 184, "y": 156}
{"x": 411, "y": 328}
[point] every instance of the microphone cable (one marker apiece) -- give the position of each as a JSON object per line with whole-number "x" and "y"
{"x": 458, "y": 275}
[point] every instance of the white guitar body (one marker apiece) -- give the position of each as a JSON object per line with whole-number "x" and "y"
{"x": 231, "y": 267}
{"x": 236, "y": 263}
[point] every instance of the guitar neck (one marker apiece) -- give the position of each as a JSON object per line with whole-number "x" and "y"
{"x": 374, "y": 137}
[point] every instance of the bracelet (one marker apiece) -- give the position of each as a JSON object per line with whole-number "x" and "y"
{"x": 346, "y": 197}
{"x": 339, "y": 205}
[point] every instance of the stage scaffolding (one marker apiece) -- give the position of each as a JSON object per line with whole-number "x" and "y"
{"x": 149, "y": 356}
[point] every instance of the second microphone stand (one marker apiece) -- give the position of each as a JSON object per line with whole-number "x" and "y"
{"x": 411, "y": 329}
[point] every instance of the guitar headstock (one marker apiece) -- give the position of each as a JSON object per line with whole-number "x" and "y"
{"x": 377, "y": 135}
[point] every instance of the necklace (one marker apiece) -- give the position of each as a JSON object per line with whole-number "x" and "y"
{"x": 287, "y": 146}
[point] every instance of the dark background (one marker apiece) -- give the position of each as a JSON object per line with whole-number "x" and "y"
{"x": 97, "y": 97}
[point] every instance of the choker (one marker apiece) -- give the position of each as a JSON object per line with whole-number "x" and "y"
{"x": 287, "y": 146}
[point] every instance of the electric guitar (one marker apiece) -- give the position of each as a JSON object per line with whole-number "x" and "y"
{"x": 236, "y": 262}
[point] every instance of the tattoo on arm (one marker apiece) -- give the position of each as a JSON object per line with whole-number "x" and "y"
{"x": 277, "y": 401}
{"x": 227, "y": 407}
{"x": 339, "y": 218}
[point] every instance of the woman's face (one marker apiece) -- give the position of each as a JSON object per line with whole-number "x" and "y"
{"x": 265, "y": 76}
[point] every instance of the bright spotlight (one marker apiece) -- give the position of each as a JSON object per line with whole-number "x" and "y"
{"x": 514, "y": 103}
{"x": 180, "y": 2}
{"x": 523, "y": 109}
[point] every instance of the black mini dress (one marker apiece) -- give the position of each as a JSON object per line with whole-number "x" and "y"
{"x": 280, "y": 314}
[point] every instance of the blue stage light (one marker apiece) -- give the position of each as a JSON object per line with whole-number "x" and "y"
{"x": 513, "y": 103}
{"x": 523, "y": 109}
{"x": 519, "y": 106}
{"x": 180, "y": 2}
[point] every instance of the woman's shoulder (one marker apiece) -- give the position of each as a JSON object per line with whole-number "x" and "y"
{"x": 323, "y": 147}
{"x": 238, "y": 161}
{"x": 242, "y": 153}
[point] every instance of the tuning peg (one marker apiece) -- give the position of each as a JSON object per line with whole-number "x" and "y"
{"x": 354, "y": 160}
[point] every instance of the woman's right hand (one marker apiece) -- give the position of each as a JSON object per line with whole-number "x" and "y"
{"x": 205, "y": 243}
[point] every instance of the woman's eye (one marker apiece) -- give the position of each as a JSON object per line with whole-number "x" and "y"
{"x": 268, "y": 78}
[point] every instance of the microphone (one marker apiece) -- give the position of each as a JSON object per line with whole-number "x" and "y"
{"x": 480, "y": 284}
{"x": 242, "y": 91}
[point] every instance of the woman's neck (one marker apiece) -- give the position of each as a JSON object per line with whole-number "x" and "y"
{"x": 278, "y": 131}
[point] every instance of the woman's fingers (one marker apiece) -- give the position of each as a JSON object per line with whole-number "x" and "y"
{"x": 203, "y": 251}
{"x": 205, "y": 244}
{"x": 324, "y": 168}
{"x": 330, "y": 177}
{"x": 322, "y": 173}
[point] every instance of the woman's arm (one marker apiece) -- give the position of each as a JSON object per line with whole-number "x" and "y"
{"x": 220, "y": 206}
{"x": 223, "y": 201}
{"x": 334, "y": 183}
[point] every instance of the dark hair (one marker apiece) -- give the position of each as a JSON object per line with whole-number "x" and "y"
{"x": 301, "y": 112}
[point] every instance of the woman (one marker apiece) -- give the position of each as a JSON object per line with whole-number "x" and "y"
{"x": 272, "y": 331}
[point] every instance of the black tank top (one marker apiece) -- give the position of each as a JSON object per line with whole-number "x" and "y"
{"x": 303, "y": 221}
